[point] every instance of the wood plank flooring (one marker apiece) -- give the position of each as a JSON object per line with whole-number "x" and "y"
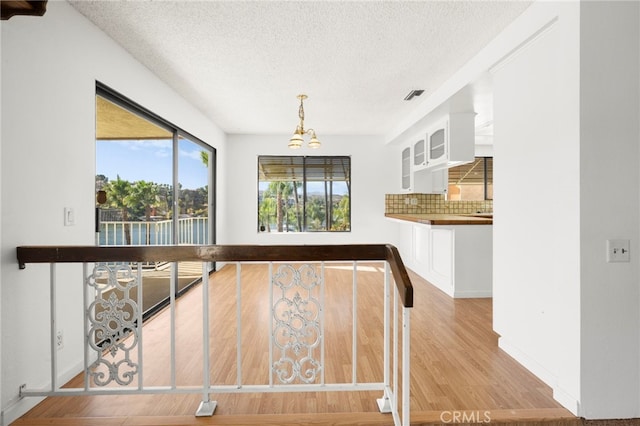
{"x": 457, "y": 370}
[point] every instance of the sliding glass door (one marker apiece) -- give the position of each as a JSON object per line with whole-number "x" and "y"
{"x": 154, "y": 186}
{"x": 193, "y": 180}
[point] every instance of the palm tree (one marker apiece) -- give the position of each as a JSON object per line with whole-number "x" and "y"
{"x": 204, "y": 157}
{"x": 316, "y": 213}
{"x": 119, "y": 197}
{"x": 296, "y": 186}
{"x": 279, "y": 192}
{"x": 265, "y": 211}
{"x": 146, "y": 195}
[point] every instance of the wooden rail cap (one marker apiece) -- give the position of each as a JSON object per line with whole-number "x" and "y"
{"x": 224, "y": 253}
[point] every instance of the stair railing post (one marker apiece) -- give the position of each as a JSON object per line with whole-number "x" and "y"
{"x": 207, "y": 407}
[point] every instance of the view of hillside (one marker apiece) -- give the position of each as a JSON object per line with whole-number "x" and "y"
{"x": 145, "y": 201}
{"x": 281, "y": 208}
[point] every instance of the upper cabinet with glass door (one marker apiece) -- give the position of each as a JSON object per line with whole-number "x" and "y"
{"x": 437, "y": 145}
{"x": 406, "y": 169}
{"x": 452, "y": 141}
{"x": 420, "y": 154}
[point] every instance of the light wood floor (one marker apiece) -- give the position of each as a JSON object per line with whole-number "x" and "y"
{"x": 456, "y": 365}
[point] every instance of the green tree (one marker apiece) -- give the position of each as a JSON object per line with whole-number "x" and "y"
{"x": 119, "y": 197}
{"x": 145, "y": 197}
{"x": 341, "y": 215}
{"x": 266, "y": 211}
{"x": 280, "y": 191}
{"x": 204, "y": 157}
{"x": 165, "y": 195}
{"x": 202, "y": 197}
{"x": 316, "y": 213}
{"x": 101, "y": 181}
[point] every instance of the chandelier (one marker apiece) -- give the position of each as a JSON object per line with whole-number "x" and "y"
{"x": 296, "y": 140}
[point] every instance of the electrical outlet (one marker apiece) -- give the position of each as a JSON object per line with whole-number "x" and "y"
{"x": 59, "y": 340}
{"x": 414, "y": 201}
{"x": 618, "y": 251}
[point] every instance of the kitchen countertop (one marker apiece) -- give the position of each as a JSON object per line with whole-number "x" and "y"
{"x": 442, "y": 219}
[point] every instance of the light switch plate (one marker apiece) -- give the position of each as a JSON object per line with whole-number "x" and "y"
{"x": 69, "y": 217}
{"x": 618, "y": 251}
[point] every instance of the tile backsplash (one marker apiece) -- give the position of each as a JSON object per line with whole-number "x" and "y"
{"x": 432, "y": 203}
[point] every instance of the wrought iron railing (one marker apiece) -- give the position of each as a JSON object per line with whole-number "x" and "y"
{"x": 113, "y": 331}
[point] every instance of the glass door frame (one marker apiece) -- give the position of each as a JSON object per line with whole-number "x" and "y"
{"x": 134, "y": 108}
{"x": 211, "y": 195}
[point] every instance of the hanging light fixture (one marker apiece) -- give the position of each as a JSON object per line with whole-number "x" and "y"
{"x": 297, "y": 140}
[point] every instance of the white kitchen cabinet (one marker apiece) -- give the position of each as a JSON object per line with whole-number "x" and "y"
{"x": 451, "y": 141}
{"x": 420, "y": 249}
{"x": 426, "y": 160}
{"x": 420, "y": 154}
{"x": 441, "y": 257}
{"x": 419, "y": 179}
{"x": 405, "y": 239}
{"x": 406, "y": 169}
{"x": 457, "y": 259}
{"x": 438, "y": 149}
{"x": 430, "y": 181}
{"x": 461, "y": 260}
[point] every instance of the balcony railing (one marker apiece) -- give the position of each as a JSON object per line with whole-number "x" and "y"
{"x": 113, "y": 332}
{"x": 191, "y": 230}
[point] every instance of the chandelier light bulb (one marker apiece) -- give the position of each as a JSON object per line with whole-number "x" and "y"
{"x": 297, "y": 139}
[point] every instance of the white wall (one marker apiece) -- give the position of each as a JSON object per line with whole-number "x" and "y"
{"x": 609, "y": 208}
{"x": 566, "y": 179}
{"x": 374, "y": 170}
{"x": 49, "y": 68}
{"x": 537, "y": 204}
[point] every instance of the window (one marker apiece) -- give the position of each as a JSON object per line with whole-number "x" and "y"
{"x": 304, "y": 194}
{"x": 472, "y": 181}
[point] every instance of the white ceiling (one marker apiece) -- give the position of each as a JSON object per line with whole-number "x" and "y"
{"x": 242, "y": 63}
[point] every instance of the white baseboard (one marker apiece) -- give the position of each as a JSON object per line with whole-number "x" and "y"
{"x": 19, "y": 406}
{"x": 564, "y": 398}
{"x": 478, "y": 294}
{"x": 567, "y": 400}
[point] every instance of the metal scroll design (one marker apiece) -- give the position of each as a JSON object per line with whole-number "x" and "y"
{"x": 297, "y": 329}
{"x": 112, "y": 317}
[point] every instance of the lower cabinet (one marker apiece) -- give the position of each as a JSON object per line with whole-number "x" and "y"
{"x": 458, "y": 259}
{"x": 420, "y": 250}
{"x": 441, "y": 258}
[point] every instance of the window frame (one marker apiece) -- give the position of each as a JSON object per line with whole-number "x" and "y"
{"x": 304, "y": 162}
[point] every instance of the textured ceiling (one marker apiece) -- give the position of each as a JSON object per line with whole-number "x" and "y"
{"x": 242, "y": 63}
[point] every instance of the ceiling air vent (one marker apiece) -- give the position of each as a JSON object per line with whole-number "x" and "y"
{"x": 413, "y": 94}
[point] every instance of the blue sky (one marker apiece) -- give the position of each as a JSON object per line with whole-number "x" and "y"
{"x": 150, "y": 160}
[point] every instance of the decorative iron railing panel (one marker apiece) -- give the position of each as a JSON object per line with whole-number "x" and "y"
{"x": 114, "y": 326}
{"x": 297, "y": 330}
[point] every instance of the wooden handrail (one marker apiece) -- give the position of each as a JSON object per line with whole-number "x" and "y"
{"x": 224, "y": 253}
